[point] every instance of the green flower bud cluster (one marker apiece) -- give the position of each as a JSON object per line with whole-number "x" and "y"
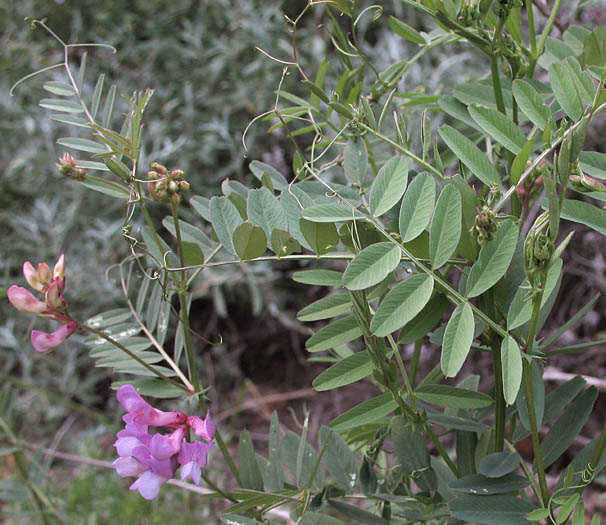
{"x": 470, "y": 13}
{"x": 584, "y": 183}
{"x": 484, "y": 226}
{"x": 67, "y": 167}
{"x": 538, "y": 249}
{"x": 165, "y": 186}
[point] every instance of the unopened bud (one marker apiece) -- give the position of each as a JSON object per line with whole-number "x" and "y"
{"x": 184, "y": 186}
{"x": 31, "y": 276}
{"x": 53, "y": 298}
{"x": 156, "y": 166}
{"x": 44, "y": 274}
{"x": 59, "y": 268}
{"x": 173, "y": 187}
{"x": 177, "y": 174}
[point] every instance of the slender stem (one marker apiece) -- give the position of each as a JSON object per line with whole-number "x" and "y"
{"x": 189, "y": 347}
{"x": 301, "y": 257}
{"x": 532, "y": 35}
{"x": 528, "y": 390}
{"x": 527, "y": 473}
{"x": 441, "y": 450}
{"x": 414, "y": 364}
{"x": 134, "y": 356}
{"x": 402, "y": 150}
{"x": 539, "y": 47}
{"x": 217, "y": 489}
{"x": 407, "y": 383}
{"x": 496, "y": 84}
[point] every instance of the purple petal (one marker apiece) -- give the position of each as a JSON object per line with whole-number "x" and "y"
{"x": 143, "y": 413}
{"x": 128, "y": 467}
{"x": 162, "y": 467}
{"x": 149, "y": 485}
{"x": 197, "y": 452}
{"x": 163, "y": 447}
{"x": 126, "y": 445}
{"x": 44, "y": 343}
{"x": 24, "y": 301}
{"x": 191, "y": 470}
{"x": 128, "y": 396}
{"x": 205, "y": 428}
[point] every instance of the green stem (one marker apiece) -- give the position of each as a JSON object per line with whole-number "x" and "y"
{"x": 217, "y": 489}
{"x": 134, "y": 356}
{"x": 189, "y": 348}
{"x": 527, "y": 472}
{"x": 528, "y": 390}
{"x": 544, "y": 35}
{"x": 441, "y": 450}
{"x": 402, "y": 150}
{"x": 532, "y": 35}
{"x": 496, "y": 84}
{"x": 414, "y": 364}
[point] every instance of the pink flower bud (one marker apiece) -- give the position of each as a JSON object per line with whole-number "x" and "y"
{"x": 31, "y": 276}
{"x": 44, "y": 343}
{"x": 59, "y": 268}
{"x": 53, "y": 298}
{"x": 44, "y": 274}
{"x": 24, "y": 301}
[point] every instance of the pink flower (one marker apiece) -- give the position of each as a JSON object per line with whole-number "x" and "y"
{"x": 205, "y": 428}
{"x": 51, "y": 284}
{"x": 142, "y": 412}
{"x": 192, "y": 458}
{"x": 24, "y": 301}
{"x": 44, "y": 343}
{"x": 155, "y": 458}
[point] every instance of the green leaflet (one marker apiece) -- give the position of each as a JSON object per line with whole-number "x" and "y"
{"x": 402, "y": 304}
{"x": 365, "y": 412}
{"x": 470, "y": 155}
{"x": 511, "y": 361}
{"x": 249, "y": 241}
{"x": 325, "y": 308}
{"x": 355, "y": 160}
{"x": 225, "y": 219}
{"x": 531, "y": 103}
{"x": 264, "y": 210}
{"x": 445, "y": 230}
{"x": 458, "y": 337}
{"x": 335, "y": 334}
{"x": 349, "y": 370}
{"x": 371, "y": 266}
{"x": 389, "y": 186}
{"x": 494, "y": 259}
{"x": 417, "y": 207}
{"x": 562, "y": 82}
{"x": 499, "y": 127}
{"x": 332, "y": 213}
{"x": 452, "y": 397}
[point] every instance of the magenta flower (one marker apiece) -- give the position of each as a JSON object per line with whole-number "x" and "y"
{"x": 154, "y": 458}
{"x": 45, "y": 343}
{"x": 50, "y": 283}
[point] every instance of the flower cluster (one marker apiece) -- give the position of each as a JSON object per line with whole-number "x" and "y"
{"x": 156, "y": 457}
{"x": 67, "y": 166}
{"x": 51, "y": 285}
{"x": 165, "y": 186}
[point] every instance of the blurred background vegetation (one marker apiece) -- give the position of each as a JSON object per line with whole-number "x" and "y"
{"x": 209, "y": 83}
